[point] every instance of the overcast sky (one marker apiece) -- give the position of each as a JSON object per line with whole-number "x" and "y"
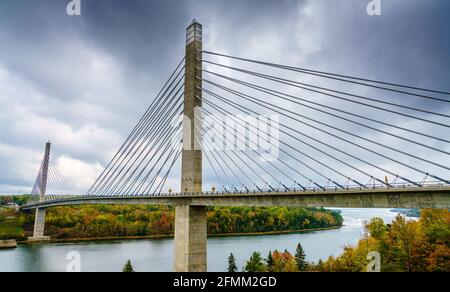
{"x": 84, "y": 81}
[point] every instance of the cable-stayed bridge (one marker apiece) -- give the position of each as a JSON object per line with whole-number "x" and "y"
{"x": 251, "y": 133}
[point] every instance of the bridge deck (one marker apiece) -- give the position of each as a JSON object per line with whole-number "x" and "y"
{"x": 429, "y": 197}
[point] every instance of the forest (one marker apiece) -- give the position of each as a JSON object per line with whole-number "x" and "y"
{"x": 106, "y": 221}
{"x": 403, "y": 246}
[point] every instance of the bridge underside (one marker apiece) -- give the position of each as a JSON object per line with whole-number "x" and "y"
{"x": 392, "y": 198}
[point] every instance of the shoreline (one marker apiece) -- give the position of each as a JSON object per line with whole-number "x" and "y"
{"x": 168, "y": 236}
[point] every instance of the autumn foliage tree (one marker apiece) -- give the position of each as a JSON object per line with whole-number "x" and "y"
{"x": 282, "y": 262}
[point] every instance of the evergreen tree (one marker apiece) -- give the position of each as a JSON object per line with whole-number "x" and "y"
{"x": 232, "y": 268}
{"x": 269, "y": 261}
{"x": 300, "y": 258}
{"x": 128, "y": 268}
{"x": 255, "y": 264}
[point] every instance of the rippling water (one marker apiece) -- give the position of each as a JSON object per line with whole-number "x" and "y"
{"x": 156, "y": 255}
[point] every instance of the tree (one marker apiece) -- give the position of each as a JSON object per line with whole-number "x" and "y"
{"x": 128, "y": 268}
{"x": 278, "y": 263}
{"x": 436, "y": 225}
{"x": 377, "y": 228}
{"x": 290, "y": 264}
{"x": 255, "y": 264}
{"x": 300, "y": 258}
{"x": 283, "y": 262}
{"x": 439, "y": 260}
{"x": 232, "y": 268}
{"x": 406, "y": 236}
{"x": 269, "y": 261}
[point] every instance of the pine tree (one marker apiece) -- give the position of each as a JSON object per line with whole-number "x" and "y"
{"x": 300, "y": 258}
{"x": 269, "y": 261}
{"x": 232, "y": 268}
{"x": 128, "y": 268}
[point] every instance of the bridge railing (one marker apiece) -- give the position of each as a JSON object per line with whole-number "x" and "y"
{"x": 268, "y": 190}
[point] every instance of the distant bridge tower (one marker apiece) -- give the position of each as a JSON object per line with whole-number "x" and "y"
{"x": 39, "y": 223}
{"x": 190, "y": 221}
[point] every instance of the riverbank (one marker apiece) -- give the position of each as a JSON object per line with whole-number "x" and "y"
{"x": 4, "y": 244}
{"x": 169, "y": 236}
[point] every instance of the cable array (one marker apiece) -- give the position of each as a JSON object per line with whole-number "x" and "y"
{"x": 143, "y": 163}
{"x": 337, "y": 151}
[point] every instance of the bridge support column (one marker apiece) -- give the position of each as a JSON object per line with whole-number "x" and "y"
{"x": 39, "y": 225}
{"x": 190, "y": 239}
{"x": 39, "y": 221}
{"x": 190, "y": 221}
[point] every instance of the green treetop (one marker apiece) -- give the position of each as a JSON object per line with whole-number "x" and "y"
{"x": 232, "y": 268}
{"x": 300, "y": 258}
{"x": 128, "y": 268}
{"x": 255, "y": 263}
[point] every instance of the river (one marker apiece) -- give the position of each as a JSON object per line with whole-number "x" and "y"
{"x": 156, "y": 255}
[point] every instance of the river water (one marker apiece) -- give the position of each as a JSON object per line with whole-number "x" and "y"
{"x": 156, "y": 255}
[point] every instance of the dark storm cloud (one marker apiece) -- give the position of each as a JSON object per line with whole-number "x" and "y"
{"x": 83, "y": 81}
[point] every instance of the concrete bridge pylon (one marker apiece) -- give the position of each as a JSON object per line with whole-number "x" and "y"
{"x": 39, "y": 222}
{"x": 190, "y": 245}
